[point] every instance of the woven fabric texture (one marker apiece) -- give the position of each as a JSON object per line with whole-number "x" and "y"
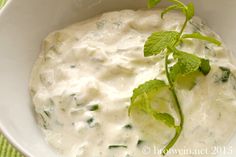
{"x": 6, "y": 149}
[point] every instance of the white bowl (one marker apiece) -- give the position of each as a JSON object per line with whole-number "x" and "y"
{"x": 23, "y": 25}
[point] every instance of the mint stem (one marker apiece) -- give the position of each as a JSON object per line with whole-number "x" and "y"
{"x": 172, "y": 88}
{"x": 180, "y": 113}
{"x": 183, "y": 28}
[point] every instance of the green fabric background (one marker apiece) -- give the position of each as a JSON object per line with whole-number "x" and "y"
{"x": 6, "y": 149}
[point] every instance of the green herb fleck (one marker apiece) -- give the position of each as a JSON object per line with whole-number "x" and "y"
{"x": 225, "y": 74}
{"x": 79, "y": 105}
{"x": 140, "y": 142}
{"x": 72, "y": 66}
{"x": 117, "y": 146}
{"x": 73, "y": 95}
{"x": 47, "y": 113}
{"x": 207, "y": 47}
{"x": 128, "y": 126}
{"x": 205, "y": 67}
{"x": 93, "y": 107}
{"x": 90, "y": 121}
{"x": 63, "y": 109}
{"x": 45, "y": 126}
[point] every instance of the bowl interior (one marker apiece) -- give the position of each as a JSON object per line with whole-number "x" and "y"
{"x": 23, "y": 26}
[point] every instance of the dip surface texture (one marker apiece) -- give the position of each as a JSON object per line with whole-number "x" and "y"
{"x": 83, "y": 79}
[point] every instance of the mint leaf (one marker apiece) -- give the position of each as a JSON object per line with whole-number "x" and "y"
{"x": 190, "y": 11}
{"x": 205, "y": 67}
{"x": 201, "y": 37}
{"x": 175, "y": 71}
{"x": 159, "y": 41}
{"x": 177, "y": 2}
{"x": 180, "y": 5}
{"x": 165, "y": 118}
{"x": 187, "y": 62}
{"x": 187, "y": 10}
{"x": 142, "y": 97}
{"x": 147, "y": 87}
{"x": 188, "y": 81}
{"x": 153, "y": 3}
{"x": 168, "y": 9}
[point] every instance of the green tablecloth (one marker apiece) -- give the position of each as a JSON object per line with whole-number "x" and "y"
{"x": 6, "y": 149}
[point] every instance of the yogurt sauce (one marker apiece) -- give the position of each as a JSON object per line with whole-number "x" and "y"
{"x": 83, "y": 79}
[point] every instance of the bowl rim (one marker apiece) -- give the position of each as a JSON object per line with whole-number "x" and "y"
{"x": 4, "y": 131}
{"x": 10, "y": 139}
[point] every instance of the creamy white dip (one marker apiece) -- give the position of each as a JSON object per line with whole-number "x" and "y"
{"x": 83, "y": 79}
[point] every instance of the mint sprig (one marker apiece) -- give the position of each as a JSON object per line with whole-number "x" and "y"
{"x": 185, "y": 65}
